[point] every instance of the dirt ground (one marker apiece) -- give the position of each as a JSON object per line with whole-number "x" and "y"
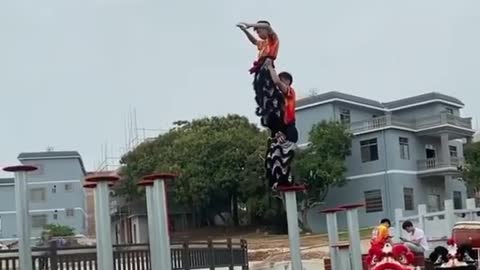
{"x": 265, "y": 247}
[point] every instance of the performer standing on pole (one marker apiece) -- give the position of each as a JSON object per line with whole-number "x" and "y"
{"x": 281, "y": 151}
{"x": 275, "y": 100}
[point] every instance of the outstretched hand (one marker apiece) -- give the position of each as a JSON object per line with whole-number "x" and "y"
{"x": 243, "y": 25}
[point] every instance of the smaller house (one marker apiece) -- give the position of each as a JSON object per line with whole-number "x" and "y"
{"x": 55, "y": 193}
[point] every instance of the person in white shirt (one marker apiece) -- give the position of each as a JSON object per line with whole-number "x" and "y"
{"x": 417, "y": 241}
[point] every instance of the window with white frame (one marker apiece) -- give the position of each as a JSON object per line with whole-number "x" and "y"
{"x": 369, "y": 150}
{"x": 404, "y": 148}
{"x": 408, "y": 199}
{"x": 345, "y": 116}
{"x": 457, "y": 200}
{"x": 453, "y": 151}
{"x": 38, "y": 195}
{"x": 373, "y": 201}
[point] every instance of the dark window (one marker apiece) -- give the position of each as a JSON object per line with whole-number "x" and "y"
{"x": 408, "y": 199}
{"x": 457, "y": 200}
{"x": 39, "y": 221}
{"x": 404, "y": 148}
{"x": 69, "y": 212}
{"x": 449, "y": 110}
{"x": 369, "y": 150}
{"x": 69, "y": 187}
{"x": 345, "y": 116}
{"x": 453, "y": 151}
{"x": 373, "y": 201}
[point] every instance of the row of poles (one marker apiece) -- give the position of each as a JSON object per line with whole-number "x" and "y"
{"x": 155, "y": 188}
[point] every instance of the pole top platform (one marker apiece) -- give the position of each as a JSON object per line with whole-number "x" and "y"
{"x": 332, "y": 210}
{"x": 160, "y": 176}
{"x": 341, "y": 245}
{"x": 20, "y": 168}
{"x": 351, "y": 206}
{"x": 145, "y": 183}
{"x": 94, "y": 185}
{"x": 291, "y": 188}
{"x": 101, "y": 178}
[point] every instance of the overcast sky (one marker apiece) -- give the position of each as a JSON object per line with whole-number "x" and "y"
{"x": 71, "y": 70}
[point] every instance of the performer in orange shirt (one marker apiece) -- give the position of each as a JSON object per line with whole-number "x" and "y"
{"x": 275, "y": 100}
{"x": 267, "y": 45}
{"x": 281, "y": 151}
{"x": 381, "y": 234}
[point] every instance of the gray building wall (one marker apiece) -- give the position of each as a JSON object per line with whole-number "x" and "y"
{"x": 390, "y": 173}
{"x": 59, "y": 197}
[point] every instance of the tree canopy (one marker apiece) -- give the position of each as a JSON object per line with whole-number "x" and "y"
{"x": 471, "y": 169}
{"x": 322, "y": 164}
{"x": 218, "y": 158}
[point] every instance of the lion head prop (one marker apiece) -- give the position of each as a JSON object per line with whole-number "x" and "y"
{"x": 396, "y": 257}
{"x": 461, "y": 257}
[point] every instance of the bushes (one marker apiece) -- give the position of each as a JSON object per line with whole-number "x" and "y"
{"x": 57, "y": 230}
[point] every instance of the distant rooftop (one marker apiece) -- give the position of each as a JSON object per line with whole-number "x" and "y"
{"x": 397, "y": 104}
{"x": 52, "y": 155}
{"x": 49, "y": 154}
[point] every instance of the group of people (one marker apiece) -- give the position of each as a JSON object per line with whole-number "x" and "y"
{"x": 275, "y": 98}
{"x": 416, "y": 240}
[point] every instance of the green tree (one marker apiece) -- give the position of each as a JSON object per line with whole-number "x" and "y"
{"x": 219, "y": 160}
{"x": 322, "y": 164}
{"x": 471, "y": 168}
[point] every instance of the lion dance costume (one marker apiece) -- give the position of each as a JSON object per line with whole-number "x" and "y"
{"x": 388, "y": 257}
{"x": 453, "y": 257}
{"x": 270, "y": 108}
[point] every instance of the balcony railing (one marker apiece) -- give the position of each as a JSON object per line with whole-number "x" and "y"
{"x": 435, "y": 163}
{"x": 417, "y": 124}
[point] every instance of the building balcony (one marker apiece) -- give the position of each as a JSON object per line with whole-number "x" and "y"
{"x": 435, "y": 166}
{"x": 429, "y": 125}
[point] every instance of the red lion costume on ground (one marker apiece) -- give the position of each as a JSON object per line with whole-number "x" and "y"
{"x": 453, "y": 257}
{"x": 396, "y": 257}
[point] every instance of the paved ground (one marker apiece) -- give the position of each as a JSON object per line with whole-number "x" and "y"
{"x": 313, "y": 257}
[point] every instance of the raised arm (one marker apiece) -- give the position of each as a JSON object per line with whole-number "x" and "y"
{"x": 249, "y": 35}
{"x": 261, "y": 25}
{"x": 276, "y": 80}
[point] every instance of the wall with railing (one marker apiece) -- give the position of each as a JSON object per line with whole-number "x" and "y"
{"x": 437, "y": 225}
{"x": 185, "y": 256}
{"x": 419, "y": 123}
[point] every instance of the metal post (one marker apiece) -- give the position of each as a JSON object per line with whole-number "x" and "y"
{"x": 152, "y": 227}
{"x": 104, "y": 237}
{"x": 103, "y": 223}
{"x": 23, "y": 215}
{"x": 354, "y": 235}
{"x": 332, "y": 229}
{"x": 160, "y": 215}
{"x": 292, "y": 219}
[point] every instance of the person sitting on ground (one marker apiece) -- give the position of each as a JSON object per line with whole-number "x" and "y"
{"x": 416, "y": 241}
{"x": 381, "y": 234}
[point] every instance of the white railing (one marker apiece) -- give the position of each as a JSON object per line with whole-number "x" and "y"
{"x": 416, "y": 124}
{"x": 437, "y": 225}
{"x": 435, "y": 163}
